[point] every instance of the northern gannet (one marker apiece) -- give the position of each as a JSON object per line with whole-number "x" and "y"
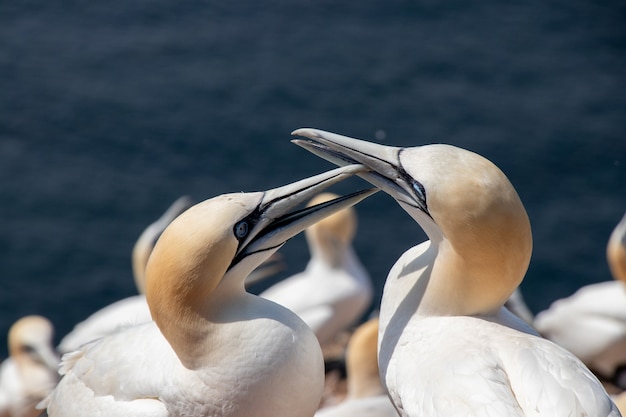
{"x": 30, "y": 371}
{"x": 591, "y": 323}
{"x": 366, "y": 395}
{"x": 130, "y": 310}
{"x": 334, "y": 290}
{"x": 447, "y": 346}
{"x": 134, "y": 309}
{"x": 213, "y": 349}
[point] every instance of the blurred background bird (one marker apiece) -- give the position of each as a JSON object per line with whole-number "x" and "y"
{"x": 365, "y": 395}
{"x": 334, "y": 290}
{"x": 30, "y": 372}
{"x": 591, "y": 323}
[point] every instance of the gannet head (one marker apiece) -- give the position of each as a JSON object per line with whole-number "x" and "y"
{"x": 463, "y": 202}
{"x": 145, "y": 243}
{"x": 30, "y": 343}
{"x": 333, "y": 234}
{"x": 616, "y": 251}
{"x": 218, "y": 242}
{"x": 362, "y": 362}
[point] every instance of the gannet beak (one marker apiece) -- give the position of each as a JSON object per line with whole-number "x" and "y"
{"x": 385, "y": 169}
{"x": 47, "y": 357}
{"x": 277, "y": 218}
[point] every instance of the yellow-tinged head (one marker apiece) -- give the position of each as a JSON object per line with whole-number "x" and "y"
{"x": 199, "y": 264}
{"x": 30, "y": 342}
{"x": 465, "y": 204}
{"x": 480, "y": 216}
{"x": 193, "y": 254}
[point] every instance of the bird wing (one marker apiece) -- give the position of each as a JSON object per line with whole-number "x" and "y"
{"x": 447, "y": 373}
{"x": 472, "y": 366}
{"x": 587, "y": 322}
{"x": 104, "y": 377}
{"x": 548, "y": 380}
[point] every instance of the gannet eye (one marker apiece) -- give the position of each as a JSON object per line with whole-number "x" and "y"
{"x": 419, "y": 190}
{"x": 28, "y": 349}
{"x": 241, "y": 229}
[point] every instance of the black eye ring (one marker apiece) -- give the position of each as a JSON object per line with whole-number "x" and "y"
{"x": 241, "y": 229}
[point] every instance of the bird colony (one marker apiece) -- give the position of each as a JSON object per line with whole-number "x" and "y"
{"x": 450, "y": 337}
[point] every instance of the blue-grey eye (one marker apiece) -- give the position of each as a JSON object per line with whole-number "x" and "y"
{"x": 419, "y": 190}
{"x": 241, "y": 229}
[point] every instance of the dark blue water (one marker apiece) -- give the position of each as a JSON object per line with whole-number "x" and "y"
{"x": 111, "y": 110}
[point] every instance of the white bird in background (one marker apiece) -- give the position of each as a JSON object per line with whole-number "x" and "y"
{"x": 147, "y": 239}
{"x": 591, "y": 323}
{"x": 447, "y": 346}
{"x": 334, "y": 290}
{"x": 30, "y": 372}
{"x": 366, "y": 395}
{"x": 213, "y": 349}
{"x": 131, "y": 310}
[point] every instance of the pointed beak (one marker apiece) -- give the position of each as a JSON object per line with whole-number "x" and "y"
{"x": 47, "y": 357}
{"x": 383, "y": 162}
{"x": 279, "y": 218}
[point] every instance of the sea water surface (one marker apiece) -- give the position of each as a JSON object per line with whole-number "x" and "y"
{"x": 109, "y": 111}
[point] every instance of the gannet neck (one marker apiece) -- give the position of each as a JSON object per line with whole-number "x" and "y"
{"x": 478, "y": 227}
{"x": 362, "y": 362}
{"x": 331, "y": 238}
{"x": 145, "y": 243}
{"x": 486, "y": 237}
{"x": 616, "y": 251}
